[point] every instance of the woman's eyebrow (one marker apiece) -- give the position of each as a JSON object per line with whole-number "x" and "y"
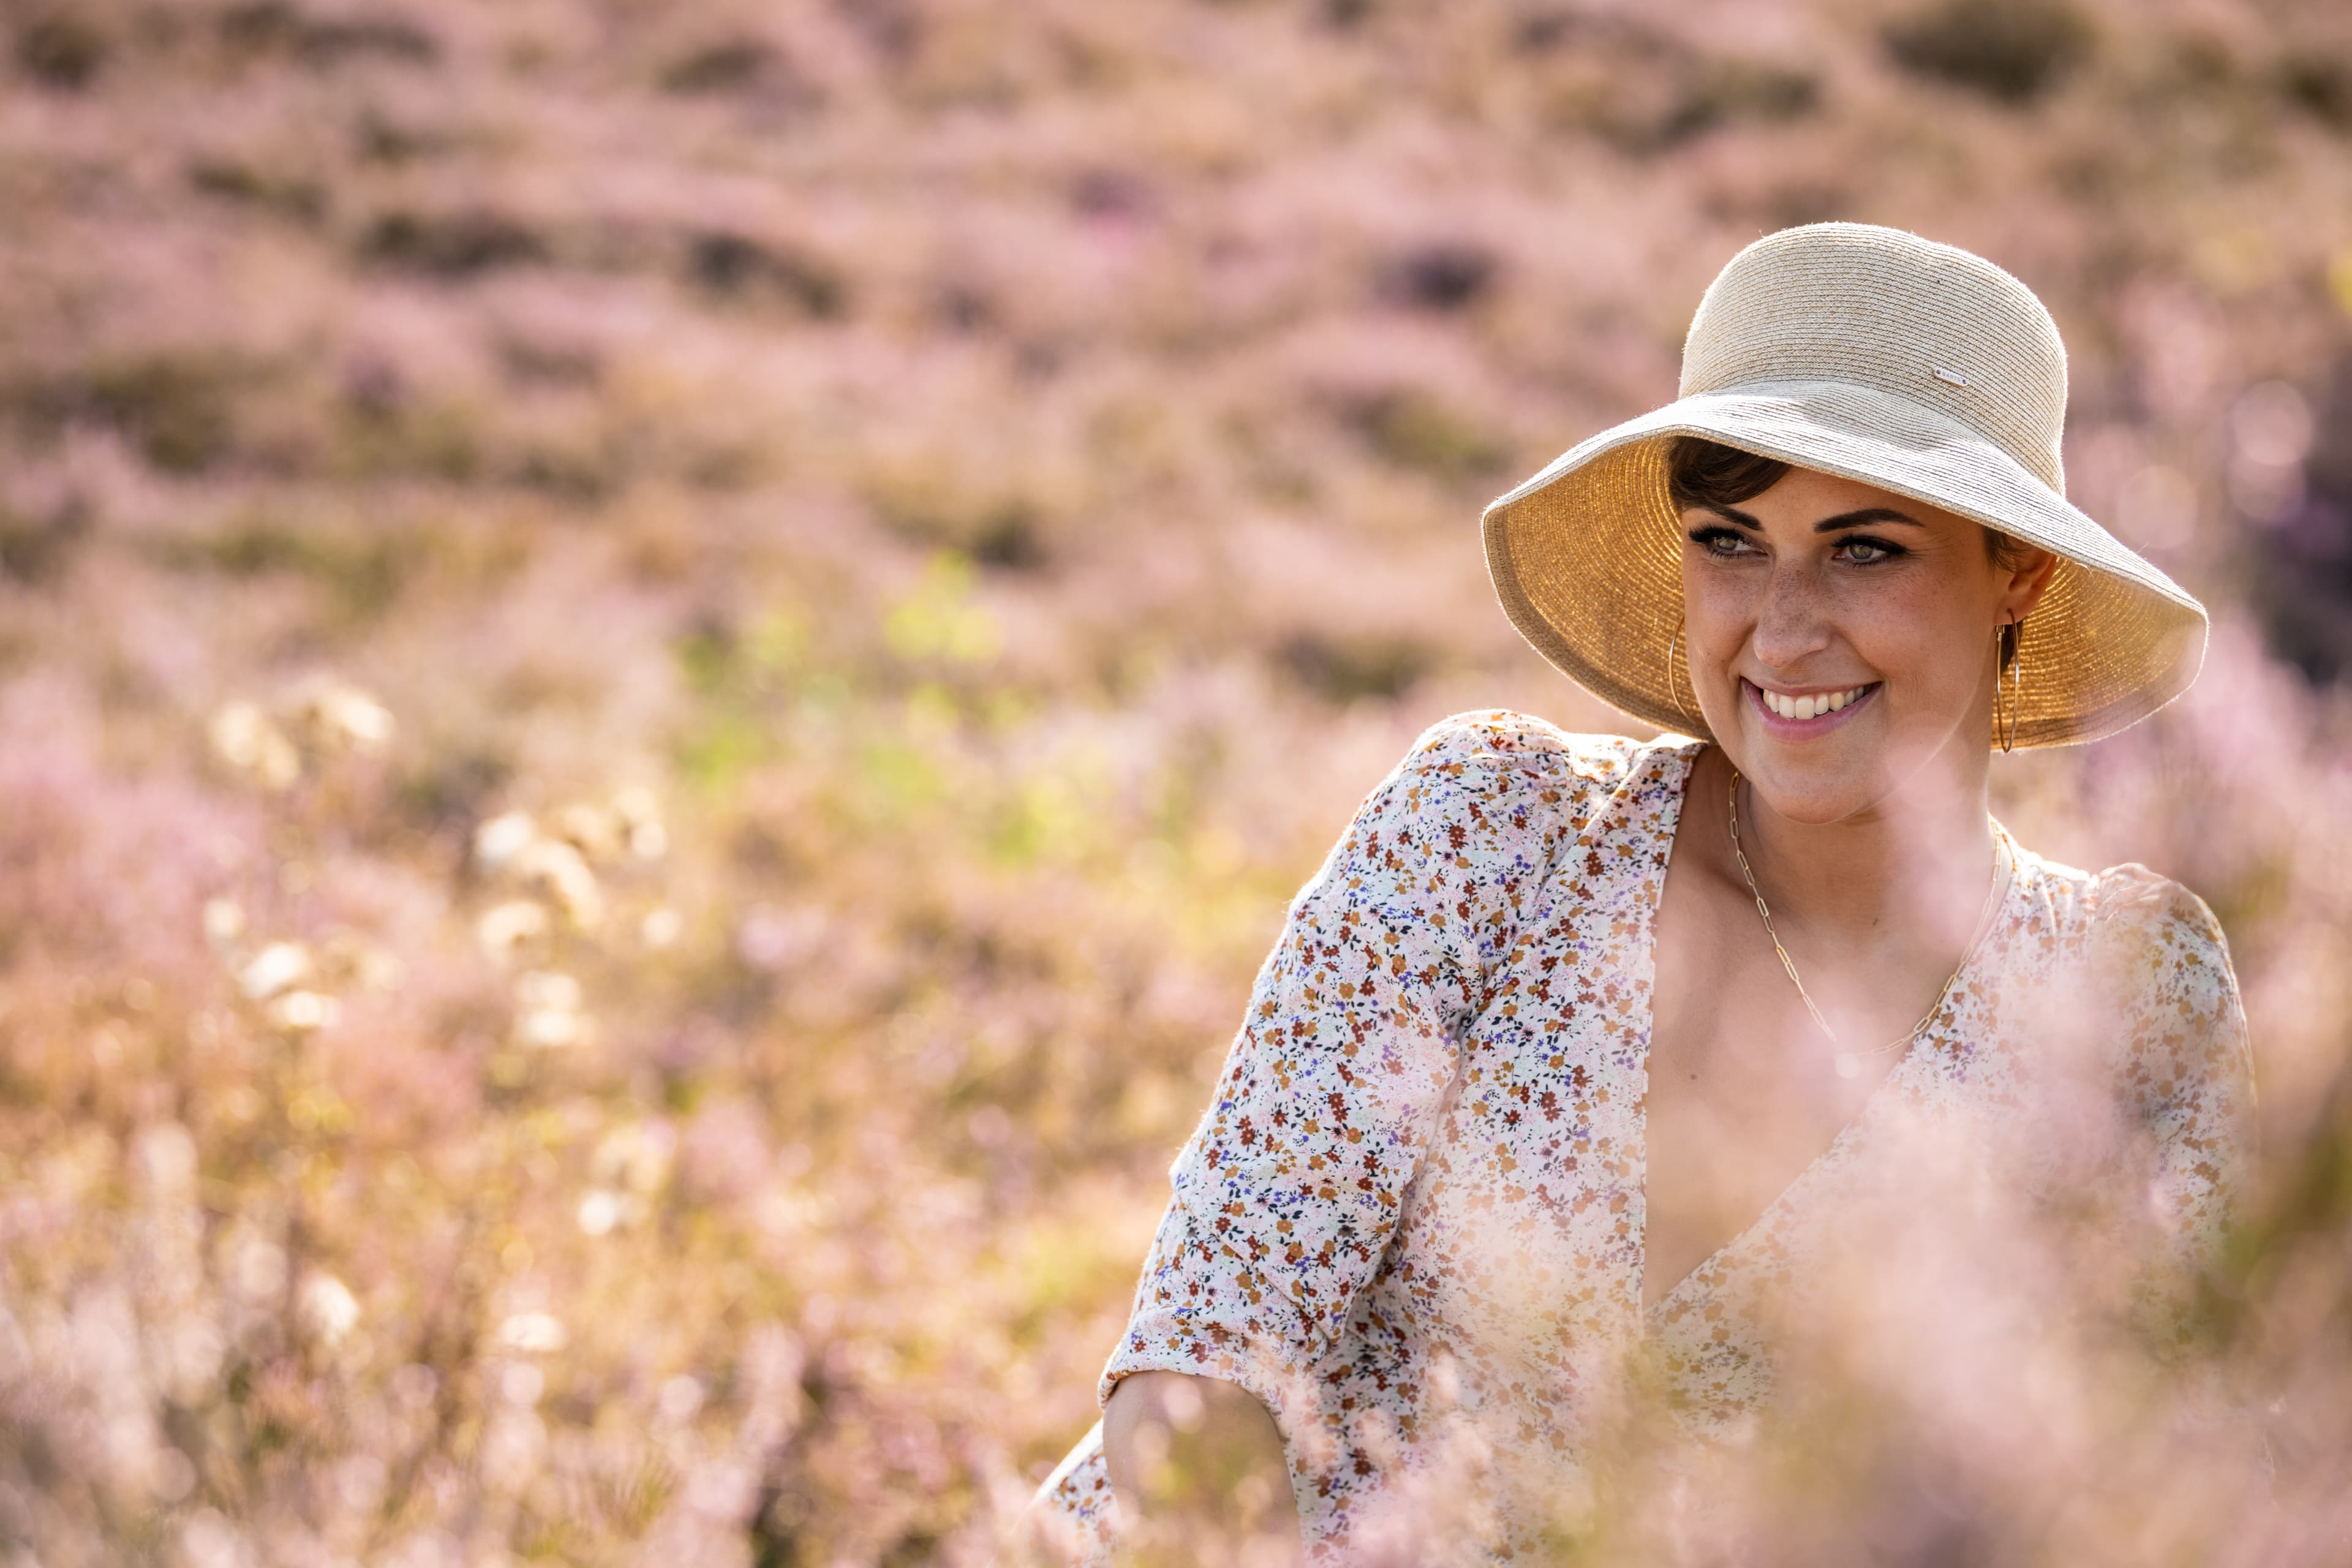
{"x": 1865, "y": 515}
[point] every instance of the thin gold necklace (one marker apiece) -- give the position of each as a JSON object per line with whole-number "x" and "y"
{"x": 1849, "y": 1062}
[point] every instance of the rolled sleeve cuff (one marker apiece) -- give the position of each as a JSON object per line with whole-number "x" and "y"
{"x": 1196, "y": 1344}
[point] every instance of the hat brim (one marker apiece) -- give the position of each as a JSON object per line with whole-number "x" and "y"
{"x": 1587, "y": 555}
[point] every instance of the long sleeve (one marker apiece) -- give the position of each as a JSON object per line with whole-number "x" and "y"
{"x": 2186, "y": 1072}
{"x": 1292, "y": 1184}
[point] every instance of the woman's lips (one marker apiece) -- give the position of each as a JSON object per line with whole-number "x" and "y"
{"x": 1823, "y": 710}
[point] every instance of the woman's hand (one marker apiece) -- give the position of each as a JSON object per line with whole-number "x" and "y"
{"x": 1199, "y": 1469}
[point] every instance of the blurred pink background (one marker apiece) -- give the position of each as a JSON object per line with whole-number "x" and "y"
{"x": 662, "y": 668}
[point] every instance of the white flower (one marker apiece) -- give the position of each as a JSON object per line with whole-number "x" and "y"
{"x": 562, "y": 870}
{"x": 508, "y": 926}
{"x": 641, "y": 813}
{"x": 329, "y": 1310}
{"x": 547, "y": 1009}
{"x": 635, "y": 1157}
{"x": 533, "y": 1332}
{"x": 599, "y": 1211}
{"x": 661, "y": 927}
{"x": 223, "y": 921}
{"x": 303, "y": 1011}
{"x": 246, "y": 738}
{"x": 340, "y": 714}
{"x": 549, "y": 1030}
{"x": 593, "y": 829}
{"x": 501, "y": 838}
{"x": 273, "y": 969}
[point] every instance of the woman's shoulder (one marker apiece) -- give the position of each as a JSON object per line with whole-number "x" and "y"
{"x": 1509, "y": 748}
{"x": 2122, "y": 897}
{"x": 1487, "y": 804}
{"x": 2160, "y": 937}
{"x": 1498, "y": 786}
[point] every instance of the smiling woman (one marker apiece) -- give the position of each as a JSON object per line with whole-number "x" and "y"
{"x": 1731, "y": 1077}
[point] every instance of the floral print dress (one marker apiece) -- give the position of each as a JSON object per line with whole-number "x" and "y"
{"x": 1414, "y": 1206}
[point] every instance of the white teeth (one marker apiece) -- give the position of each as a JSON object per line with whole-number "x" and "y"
{"x": 1804, "y": 707}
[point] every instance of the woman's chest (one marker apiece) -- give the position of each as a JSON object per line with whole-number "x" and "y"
{"x": 1528, "y": 1229}
{"x": 1744, "y": 1091}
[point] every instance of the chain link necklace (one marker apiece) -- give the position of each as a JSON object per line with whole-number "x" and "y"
{"x": 1849, "y": 1062}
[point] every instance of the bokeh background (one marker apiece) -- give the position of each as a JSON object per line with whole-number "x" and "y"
{"x": 664, "y": 666}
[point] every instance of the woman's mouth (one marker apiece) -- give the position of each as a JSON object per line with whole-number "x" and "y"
{"x": 1813, "y": 708}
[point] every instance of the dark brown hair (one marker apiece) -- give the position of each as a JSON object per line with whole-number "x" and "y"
{"x": 1707, "y": 474}
{"x": 1701, "y": 473}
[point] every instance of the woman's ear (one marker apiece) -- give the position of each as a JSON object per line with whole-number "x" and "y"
{"x": 2028, "y": 581}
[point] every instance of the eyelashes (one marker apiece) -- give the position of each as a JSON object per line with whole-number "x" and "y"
{"x": 1720, "y": 541}
{"x": 1856, "y": 550}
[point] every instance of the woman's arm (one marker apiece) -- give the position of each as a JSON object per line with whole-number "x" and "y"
{"x": 1199, "y": 1469}
{"x": 1290, "y": 1189}
{"x": 2188, "y": 1076}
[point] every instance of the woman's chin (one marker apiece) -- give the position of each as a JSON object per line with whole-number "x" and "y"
{"x": 1816, "y": 781}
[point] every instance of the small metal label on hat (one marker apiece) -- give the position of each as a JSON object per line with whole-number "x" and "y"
{"x": 1952, "y": 377}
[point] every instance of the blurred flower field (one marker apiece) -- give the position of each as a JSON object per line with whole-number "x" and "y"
{"x": 662, "y": 669}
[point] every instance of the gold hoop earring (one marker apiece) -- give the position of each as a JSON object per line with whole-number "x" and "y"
{"x": 2009, "y": 643}
{"x": 1686, "y": 714}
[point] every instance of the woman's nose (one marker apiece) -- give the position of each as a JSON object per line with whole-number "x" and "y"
{"x": 1792, "y": 621}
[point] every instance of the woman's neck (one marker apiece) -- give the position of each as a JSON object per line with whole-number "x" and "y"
{"x": 1910, "y": 871}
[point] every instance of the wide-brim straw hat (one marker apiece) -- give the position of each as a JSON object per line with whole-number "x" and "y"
{"x": 1876, "y": 355}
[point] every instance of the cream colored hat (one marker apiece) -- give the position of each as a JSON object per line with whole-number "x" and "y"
{"x": 1874, "y": 354}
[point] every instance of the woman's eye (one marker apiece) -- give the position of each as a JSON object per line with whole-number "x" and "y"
{"x": 1721, "y": 541}
{"x": 1867, "y": 552}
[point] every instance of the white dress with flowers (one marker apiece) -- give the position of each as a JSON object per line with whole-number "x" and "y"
{"x": 1411, "y": 1221}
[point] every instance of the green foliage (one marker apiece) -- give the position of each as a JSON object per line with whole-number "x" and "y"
{"x": 940, "y": 621}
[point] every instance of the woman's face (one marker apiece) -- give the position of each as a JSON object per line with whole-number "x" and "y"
{"x": 1842, "y": 637}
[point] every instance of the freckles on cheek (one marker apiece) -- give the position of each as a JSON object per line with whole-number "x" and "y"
{"x": 1923, "y": 646}
{"x": 1714, "y": 646}
{"x": 1715, "y": 618}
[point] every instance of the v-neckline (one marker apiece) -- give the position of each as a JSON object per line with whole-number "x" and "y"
{"x": 1687, "y": 756}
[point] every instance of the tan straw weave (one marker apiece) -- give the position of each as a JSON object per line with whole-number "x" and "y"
{"x": 1874, "y": 354}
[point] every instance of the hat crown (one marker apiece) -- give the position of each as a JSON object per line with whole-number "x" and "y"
{"x": 1862, "y": 305}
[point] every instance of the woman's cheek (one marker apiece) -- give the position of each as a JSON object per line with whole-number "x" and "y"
{"x": 1925, "y": 653}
